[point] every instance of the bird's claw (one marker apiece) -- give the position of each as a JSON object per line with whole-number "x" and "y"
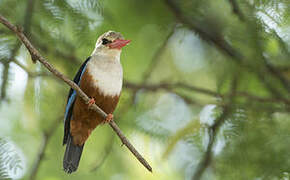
{"x": 109, "y": 118}
{"x": 91, "y": 102}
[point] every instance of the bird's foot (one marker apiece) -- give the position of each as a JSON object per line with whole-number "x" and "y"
{"x": 91, "y": 102}
{"x": 109, "y": 118}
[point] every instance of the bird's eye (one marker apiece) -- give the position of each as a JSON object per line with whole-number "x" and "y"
{"x": 105, "y": 41}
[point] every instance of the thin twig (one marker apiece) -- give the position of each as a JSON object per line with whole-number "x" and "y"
{"x": 108, "y": 150}
{"x": 4, "y": 80}
{"x": 157, "y": 55}
{"x": 154, "y": 61}
{"x": 262, "y": 10}
{"x": 31, "y": 74}
{"x": 28, "y": 16}
{"x": 35, "y": 55}
{"x": 129, "y": 145}
{"x": 5, "y": 73}
{"x": 284, "y": 69}
{"x": 188, "y": 100}
{"x": 207, "y": 157}
{"x": 285, "y": 82}
{"x": 213, "y": 131}
{"x": 39, "y": 157}
{"x": 236, "y": 9}
{"x": 282, "y": 43}
{"x": 171, "y": 86}
{"x": 46, "y": 137}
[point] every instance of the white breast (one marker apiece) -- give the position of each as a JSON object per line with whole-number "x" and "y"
{"x": 107, "y": 74}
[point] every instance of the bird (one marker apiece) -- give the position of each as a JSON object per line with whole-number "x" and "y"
{"x": 100, "y": 77}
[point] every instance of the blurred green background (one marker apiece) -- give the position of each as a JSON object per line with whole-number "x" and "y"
{"x": 206, "y": 89}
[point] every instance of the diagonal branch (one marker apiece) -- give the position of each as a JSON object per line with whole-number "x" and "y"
{"x": 36, "y": 56}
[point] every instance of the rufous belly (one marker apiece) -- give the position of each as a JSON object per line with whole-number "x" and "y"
{"x": 85, "y": 120}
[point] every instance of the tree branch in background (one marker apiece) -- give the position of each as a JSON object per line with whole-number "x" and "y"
{"x": 207, "y": 157}
{"x": 157, "y": 55}
{"x": 171, "y": 86}
{"x": 4, "y": 80}
{"x": 27, "y": 23}
{"x": 282, "y": 43}
{"x": 28, "y": 16}
{"x": 35, "y": 55}
{"x": 220, "y": 43}
{"x": 236, "y": 9}
{"x": 57, "y": 53}
{"x": 5, "y": 74}
{"x": 154, "y": 61}
{"x": 268, "y": 15}
{"x": 275, "y": 72}
{"x": 213, "y": 131}
{"x": 46, "y": 137}
{"x": 107, "y": 152}
{"x": 31, "y": 74}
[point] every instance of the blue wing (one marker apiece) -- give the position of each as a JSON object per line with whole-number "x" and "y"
{"x": 71, "y": 100}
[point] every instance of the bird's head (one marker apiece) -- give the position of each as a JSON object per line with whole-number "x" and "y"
{"x": 111, "y": 41}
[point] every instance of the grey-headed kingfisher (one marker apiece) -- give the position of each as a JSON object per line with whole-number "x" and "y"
{"x": 100, "y": 77}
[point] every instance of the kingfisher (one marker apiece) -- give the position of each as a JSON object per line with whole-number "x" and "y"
{"x": 100, "y": 77}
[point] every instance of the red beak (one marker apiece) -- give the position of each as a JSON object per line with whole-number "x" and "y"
{"x": 118, "y": 43}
